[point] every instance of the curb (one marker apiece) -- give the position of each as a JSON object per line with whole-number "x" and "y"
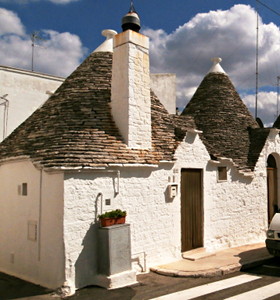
{"x": 219, "y": 271}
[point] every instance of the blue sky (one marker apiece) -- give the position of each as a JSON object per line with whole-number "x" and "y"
{"x": 184, "y": 35}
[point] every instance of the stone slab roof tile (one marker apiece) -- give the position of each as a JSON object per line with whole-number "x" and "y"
{"x": 75, "y": 128}
{"x": 224, "y": 120}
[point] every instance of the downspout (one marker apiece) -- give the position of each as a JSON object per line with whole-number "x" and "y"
{"x": 118, "y": 182}
{"x": 40, "y": 214}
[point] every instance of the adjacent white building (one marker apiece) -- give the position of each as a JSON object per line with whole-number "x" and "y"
{"x": 21, "y": 93}
{"x": 202, "y": 179}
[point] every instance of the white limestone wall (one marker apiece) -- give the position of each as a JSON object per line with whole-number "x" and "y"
{"x": 155, "y": 231}
{"x": 31, "y": 232}
{"x": 143, "y": 192}
{"x": 130, "y": 94}
{"x": 235, "y": 211}
{"x": 26, "y": 92}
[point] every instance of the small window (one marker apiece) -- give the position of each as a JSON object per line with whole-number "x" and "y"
{"x": 24, "y": 189}
{"x": 222, "y": 173}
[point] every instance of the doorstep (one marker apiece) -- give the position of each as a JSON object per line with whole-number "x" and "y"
{"x": 199, "y": 263}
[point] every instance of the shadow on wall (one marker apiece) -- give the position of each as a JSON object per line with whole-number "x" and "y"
{"x": 86, "y": 264}
{"x": 168, "y": 198}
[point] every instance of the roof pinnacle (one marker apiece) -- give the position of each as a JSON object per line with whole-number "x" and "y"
{"x": 132, "y": 9}
{"x": 216, "y": 68}
{"x": 131, "y": 20}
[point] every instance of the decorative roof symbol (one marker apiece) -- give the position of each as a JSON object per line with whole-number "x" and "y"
{"x": 132, "y": 8}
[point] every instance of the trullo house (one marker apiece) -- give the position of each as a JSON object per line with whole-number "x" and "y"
{"x": 103, "y": 140}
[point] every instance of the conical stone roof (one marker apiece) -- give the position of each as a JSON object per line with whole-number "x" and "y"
{"x": 75, "y": 128}
{"x": 226, "y": 123}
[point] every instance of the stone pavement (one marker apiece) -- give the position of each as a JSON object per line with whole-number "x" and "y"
{"x": 198, "y": 263}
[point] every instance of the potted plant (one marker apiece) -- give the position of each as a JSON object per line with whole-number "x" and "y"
{"x": 112, "y": 217}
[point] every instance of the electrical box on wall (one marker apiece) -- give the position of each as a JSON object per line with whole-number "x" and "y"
{"x": 172, "y": 190}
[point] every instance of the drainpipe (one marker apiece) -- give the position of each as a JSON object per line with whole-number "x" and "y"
{"x": 5, "y": 103}
{"x": 40, "y": 215}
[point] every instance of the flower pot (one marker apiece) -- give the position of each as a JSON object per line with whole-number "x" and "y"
{"x": 120, "y": 220}
{"x": 105, "y": 222}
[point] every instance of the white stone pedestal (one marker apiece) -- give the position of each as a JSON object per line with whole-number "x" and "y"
{"x": 114, "y": 257}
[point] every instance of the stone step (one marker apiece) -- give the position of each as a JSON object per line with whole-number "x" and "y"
{"x": 197, "y": 254}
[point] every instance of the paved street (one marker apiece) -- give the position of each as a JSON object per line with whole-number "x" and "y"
{"x": 256, "y": 283}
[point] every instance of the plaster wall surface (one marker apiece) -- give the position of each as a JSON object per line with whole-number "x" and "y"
{"x": 164, "y": 86}
{"x": 31, "y": 225}
{"x": 235, "y": 211}
{"x": 151, "y": 213}
{"x": 143, "y": 192}
{"x": 131, "y": 102}
{"x": 26, "y": 92}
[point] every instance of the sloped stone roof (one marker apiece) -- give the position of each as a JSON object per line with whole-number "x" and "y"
{"x": 75, "y": 129}
{"x": 226, "y": 124}
{"x": 258, "y": 138}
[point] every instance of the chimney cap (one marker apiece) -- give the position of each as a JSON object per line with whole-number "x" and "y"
{"x": 107, "y": 45}
{"x": 131, "y": 20}
{"x": 108, "y": 33}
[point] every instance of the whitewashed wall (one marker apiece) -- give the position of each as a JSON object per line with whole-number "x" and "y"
{"x": 154, "y": 232}
{"x": 26, "y": 92}
{"x": 153, "y": 215}
{"x": 164, "y": 86}
{"x": 235, "y": 211}
{"x": 130, "y": 92}
{"x": 42, "y": 260}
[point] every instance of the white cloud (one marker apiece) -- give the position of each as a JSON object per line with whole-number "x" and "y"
{"x": 58, "y": 54}
{"x": 10, "y": 23}
{"x": 230, "y": 34}
{"x": 267, "y": 106}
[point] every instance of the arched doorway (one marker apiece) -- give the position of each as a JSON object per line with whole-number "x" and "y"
{"x": 272, "y": 188}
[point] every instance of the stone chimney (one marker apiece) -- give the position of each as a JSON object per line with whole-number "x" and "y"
{"x": 130, "y": 93}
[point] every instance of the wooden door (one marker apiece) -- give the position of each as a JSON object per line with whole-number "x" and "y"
{"x": 272, "y": 192}
{"x": 191, "y": 209}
